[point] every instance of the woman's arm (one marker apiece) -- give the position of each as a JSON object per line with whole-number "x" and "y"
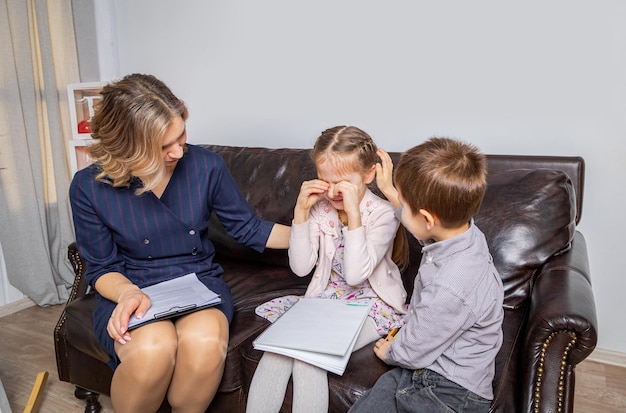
{"x": 130, "y": 300}
{"x": 104, "y": 266}
{"x": 94, "y": 238}
{"x": 234, "y": 212}
{"x": 279, "y": 237}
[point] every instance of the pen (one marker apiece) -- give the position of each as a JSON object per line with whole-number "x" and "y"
{"x": 392, "y": 334}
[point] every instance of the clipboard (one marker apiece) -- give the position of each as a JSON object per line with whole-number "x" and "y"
{"x": 174, "y": 298}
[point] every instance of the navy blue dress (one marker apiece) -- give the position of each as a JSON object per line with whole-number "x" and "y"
{"x": 151, "y": 239}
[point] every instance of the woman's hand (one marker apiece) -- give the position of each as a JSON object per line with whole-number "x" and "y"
{"x": 131, "y": 301}
{"x": 384, "y": 177}
{"x": 310, "y": 193}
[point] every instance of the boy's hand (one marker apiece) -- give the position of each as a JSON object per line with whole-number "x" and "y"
{"x": 310, "y": 192}
{"x": 384, "y": 177}
{"x": 381, "y": 347}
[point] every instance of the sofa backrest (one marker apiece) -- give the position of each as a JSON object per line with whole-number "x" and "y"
{"x": 529, "y": 212}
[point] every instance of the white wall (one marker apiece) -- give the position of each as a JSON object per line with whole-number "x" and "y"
{"x": 530, "y": 77}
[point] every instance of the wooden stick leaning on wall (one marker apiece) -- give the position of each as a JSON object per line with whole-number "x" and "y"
{"x": 36, "y": 394}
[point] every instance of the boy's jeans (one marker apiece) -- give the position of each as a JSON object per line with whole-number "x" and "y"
{"x": 423, "y": 391}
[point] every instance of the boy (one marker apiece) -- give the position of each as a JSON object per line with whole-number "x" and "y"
{"x": 446, "y": 351}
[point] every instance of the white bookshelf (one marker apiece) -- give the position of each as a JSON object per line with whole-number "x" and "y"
{"x": 81, "y": 99}
{"x": 79, "y": 156}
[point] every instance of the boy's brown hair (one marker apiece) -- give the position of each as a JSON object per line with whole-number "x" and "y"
{"x": 446, "y": 177}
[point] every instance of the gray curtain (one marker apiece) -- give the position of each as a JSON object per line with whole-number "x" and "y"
{"x": 37, "y": 60}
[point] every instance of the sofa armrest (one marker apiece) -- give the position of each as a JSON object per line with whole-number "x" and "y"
{"x": 561, "y": 330}
{"x": 79, "y": 289}
{"x": 80, "y": 286}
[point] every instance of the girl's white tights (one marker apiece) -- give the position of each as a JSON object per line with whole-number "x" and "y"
{"x": 310, "y": 383}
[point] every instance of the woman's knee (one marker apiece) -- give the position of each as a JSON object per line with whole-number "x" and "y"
{"x": 153, "y": 346}
{"x": 203, "y": 337}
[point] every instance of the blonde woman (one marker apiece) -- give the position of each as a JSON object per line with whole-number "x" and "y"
{"x": 141, "y": 216}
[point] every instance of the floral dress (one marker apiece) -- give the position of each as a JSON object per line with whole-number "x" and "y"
{"x": 382, "y": 313}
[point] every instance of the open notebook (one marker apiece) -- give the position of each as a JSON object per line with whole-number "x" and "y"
{"x": 319, "y": 331}
{"x": 175, "y": 297}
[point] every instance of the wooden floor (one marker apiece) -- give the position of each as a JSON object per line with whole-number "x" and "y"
{"x": 27, "y": 347}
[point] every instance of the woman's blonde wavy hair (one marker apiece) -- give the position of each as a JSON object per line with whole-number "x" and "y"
{"x": 129, "y": 123}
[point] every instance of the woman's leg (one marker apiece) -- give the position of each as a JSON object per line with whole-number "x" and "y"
{"x": 310, "y": 388}
{"x": 269, "y": 384}
{"x": 202, "y": 346}
{"x": 146, "y": 366}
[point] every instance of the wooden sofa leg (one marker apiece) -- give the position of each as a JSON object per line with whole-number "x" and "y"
{"x": 90, "y": 398}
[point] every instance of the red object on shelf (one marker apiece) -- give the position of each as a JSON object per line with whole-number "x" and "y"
{"x": 83, "y": 126}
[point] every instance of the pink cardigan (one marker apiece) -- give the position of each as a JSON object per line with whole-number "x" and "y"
{"x": 367, "y": 251}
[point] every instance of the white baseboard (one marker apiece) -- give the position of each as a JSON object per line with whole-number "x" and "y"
{"x": 614, "y": 358}
{"x": 16, "y": 306}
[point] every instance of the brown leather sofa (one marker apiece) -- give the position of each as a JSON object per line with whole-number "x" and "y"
{"x": 529, "y": 217}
